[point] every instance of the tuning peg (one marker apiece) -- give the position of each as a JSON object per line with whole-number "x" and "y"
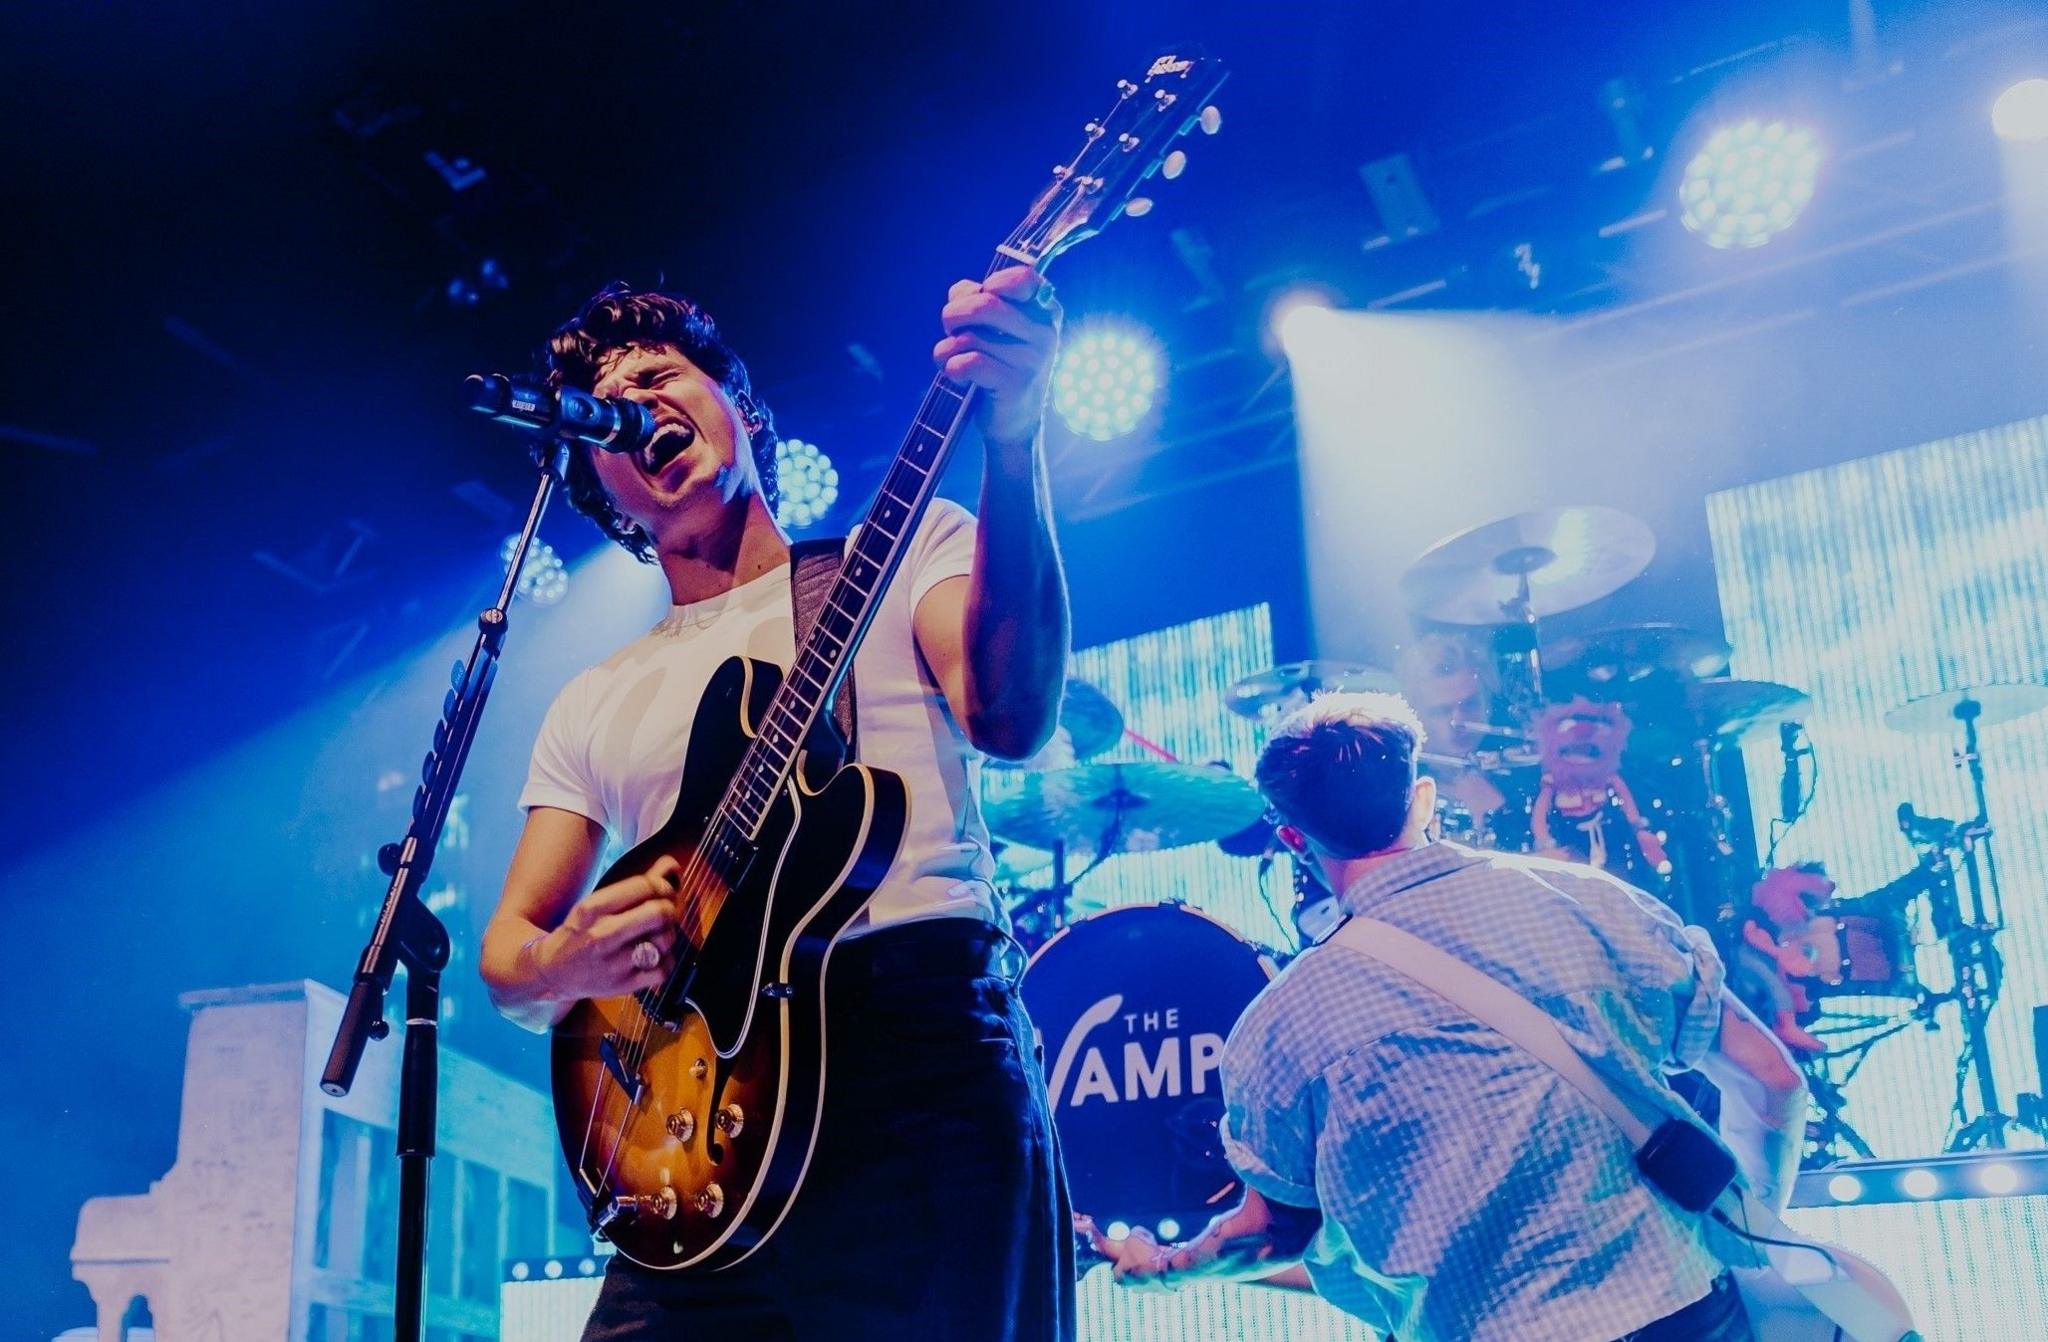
{"x": 1211, "y": 120}
{"x": 1138, "y": 206}
{"x": 1176, "y": 163}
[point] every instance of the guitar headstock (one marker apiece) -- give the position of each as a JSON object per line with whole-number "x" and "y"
{"x": 1132, "y": 141}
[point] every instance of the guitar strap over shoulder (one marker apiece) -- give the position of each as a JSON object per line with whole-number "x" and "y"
{"x": 813, "y": 566}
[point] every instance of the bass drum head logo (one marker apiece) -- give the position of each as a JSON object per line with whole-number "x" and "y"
{"x": 1132, "y": 1008}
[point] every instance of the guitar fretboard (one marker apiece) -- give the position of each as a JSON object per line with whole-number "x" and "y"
{"x": 871, "y": 562}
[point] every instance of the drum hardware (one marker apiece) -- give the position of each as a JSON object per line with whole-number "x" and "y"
{"x": 1524, "y": 568}
{"x": 1276, "y": 691}
{"x": 1979, "y": 969}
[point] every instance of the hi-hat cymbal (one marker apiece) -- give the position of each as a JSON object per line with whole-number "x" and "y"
{"x": 1089, "y": 724}
{"x": 1568, "y": 557}
{"x": 1943, "y": 710}
{"x": 1736, "y": 708}
{"x": 1628, "y": 653}
{"x": 1134, "y": 808}
{"x": 1279, "y": 689}
{"x": 1016, "y": 860}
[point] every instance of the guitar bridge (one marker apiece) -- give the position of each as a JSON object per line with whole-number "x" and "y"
{"x": 630, "y": 1082}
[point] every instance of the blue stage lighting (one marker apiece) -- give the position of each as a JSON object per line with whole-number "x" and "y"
{"x": 2021, "y": 112}
{"x": 1845, "y": 1188}
{"x": 544, "y": 580}
{"x": 1749, "y": 182}
{"x": 1107, "y": 379}
{"x": 810, "y": 483}
{"x": 1296, "y": 317}
{"x": 1920, "y": 1184}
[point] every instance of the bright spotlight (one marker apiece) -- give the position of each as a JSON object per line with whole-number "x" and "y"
{"x": 1169, "y": 1229}
{"x": 1107, "y": 379}
{"x": 2021, "y": 112}
{"x": 1749, "y": 182}
{"x": 1998, "y": 1179}
{"x": 810, "y": 484}
{"x": 1117, "y": 1232}
{"x": 544, "y": 580}
{"x": 1920, "y": 1184}
{"x": 1845, "y": 1188}
{"x": 1296, "y": 319}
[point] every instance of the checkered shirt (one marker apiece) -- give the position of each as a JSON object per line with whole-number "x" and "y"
{"x": 1467, "y": 1191}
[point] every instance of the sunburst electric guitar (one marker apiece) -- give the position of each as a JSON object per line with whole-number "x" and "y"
{"x": 689, "y": 1112}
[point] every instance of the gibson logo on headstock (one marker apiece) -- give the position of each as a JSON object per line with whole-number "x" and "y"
{"x": 1169, "y": 65}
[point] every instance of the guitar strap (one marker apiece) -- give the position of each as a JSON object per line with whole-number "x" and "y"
{"x": 813, "y": 567}
{"x": 1844, "y": 1296}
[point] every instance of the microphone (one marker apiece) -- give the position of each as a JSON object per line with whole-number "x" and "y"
{"x": 602, "y": 421}
{"x": 1789, "y": 787}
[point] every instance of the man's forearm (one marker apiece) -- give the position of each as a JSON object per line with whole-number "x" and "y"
{"x": 1241, "y": 1244}
{"x": 512, "y": 974}
{"x": 1017, "y": 622}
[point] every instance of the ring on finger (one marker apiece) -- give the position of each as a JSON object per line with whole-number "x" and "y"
{"x": 646, "y": 955}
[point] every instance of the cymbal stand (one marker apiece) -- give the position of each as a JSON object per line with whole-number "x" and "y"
{"x": 1515, "y": 642}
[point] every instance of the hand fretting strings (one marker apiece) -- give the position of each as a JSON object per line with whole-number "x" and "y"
{"x": 732, "y": 832}
{"x": 708, "y": 872}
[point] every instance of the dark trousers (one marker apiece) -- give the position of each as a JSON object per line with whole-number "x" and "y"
{"x": 1717, "y": 1316}
{"x": 934, "y": 1208}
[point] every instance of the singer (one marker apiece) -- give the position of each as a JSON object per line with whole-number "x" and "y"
{"x": 936, "y": 1108}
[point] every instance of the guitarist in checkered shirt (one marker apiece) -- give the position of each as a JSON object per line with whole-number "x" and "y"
{"x": 1437, "y": 1181}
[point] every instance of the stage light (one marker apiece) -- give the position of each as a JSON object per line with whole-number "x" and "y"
{"x": 810, "y": 483}
{"x": 1748, "y": 183}
{"x": 1845, "y": 1188}
{"x": 1107, "y": 379}
{"x": 586, "y": 1267}
{"x": 552, "y": 1269}
{"x": 520, "y": 1272}
{"x": 1117, "y": 1232}
{"x": 1920, "y": 1184}
{"x": 1169, "y": 1229}
{"x": 2021, "y": 112}
{"x": 1998, "y": 1180}
{"x": 544, "y": 580}
{"x": 1297, "y": 319}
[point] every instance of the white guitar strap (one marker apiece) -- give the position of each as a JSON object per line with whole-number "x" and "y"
{"x": 1823, "y": 1276}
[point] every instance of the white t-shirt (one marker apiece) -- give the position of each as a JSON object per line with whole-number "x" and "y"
{"x": 612, "y": 744}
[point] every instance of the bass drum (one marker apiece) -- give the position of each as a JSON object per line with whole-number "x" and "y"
{"x": 1132, "y": 1008}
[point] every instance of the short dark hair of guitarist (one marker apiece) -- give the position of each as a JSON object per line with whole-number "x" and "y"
{"x": 934, "y": 1116}
{"x": 1450, "y": 1184}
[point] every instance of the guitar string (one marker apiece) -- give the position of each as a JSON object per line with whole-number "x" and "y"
{"x": 693, "y": 896}
{"x": 700, "y": 881}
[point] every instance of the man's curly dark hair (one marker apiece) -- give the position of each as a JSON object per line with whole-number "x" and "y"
{"x": 619, "y": 317}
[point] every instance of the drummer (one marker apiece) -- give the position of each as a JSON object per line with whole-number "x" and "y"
{"x": 1442, "y": 1183}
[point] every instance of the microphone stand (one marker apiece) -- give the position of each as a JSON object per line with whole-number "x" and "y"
{"x": 408, "y": 933}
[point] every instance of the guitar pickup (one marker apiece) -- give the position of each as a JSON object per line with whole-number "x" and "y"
{"x": 608, "y": 1050}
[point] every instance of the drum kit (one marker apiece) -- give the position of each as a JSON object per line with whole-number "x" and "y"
{"x": 1619, "y": 747}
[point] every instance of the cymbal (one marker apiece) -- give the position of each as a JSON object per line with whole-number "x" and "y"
{"x": 1015, "y": 860}
{"x": 1138, "y": 807}
{"x": 1568, "y": 557}
{"x": 1089, "y": 724}
{"x": 1279, "y": 689}
{"x": 1627, "y": 653}
{"x": 1936, "y": 712}
{"x": 1737, "y": 708}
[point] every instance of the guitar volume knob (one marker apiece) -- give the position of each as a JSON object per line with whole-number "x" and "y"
{"x": 682, "y": 1125}
{"x": 711, "y": 1201}
{"x": 730, "y": 1120}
